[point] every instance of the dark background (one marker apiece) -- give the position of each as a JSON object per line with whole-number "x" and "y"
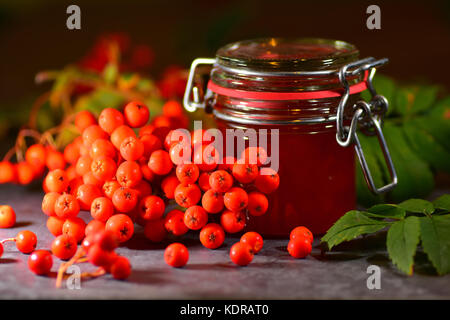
{"x": 33, "y": 34}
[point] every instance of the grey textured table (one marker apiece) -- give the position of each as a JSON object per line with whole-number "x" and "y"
{"x": 210, "y": 274}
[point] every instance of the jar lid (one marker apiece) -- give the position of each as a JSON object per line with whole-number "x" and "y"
{"x": 277, "y": 54}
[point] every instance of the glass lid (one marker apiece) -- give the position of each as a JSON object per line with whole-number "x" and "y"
{"x": 277, "y": 54}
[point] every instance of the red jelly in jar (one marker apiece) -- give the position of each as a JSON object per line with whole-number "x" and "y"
{"x": 291, "y": 87}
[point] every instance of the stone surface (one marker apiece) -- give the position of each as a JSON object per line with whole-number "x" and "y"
{"x": 210, "y": 274}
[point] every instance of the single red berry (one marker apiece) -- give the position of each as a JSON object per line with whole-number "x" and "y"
{"x": 132, "y": 148}
{"x": 121, "y": 268}
{"x": 7, "y": 217}
{"x": 102, "y": 209}
{"x": 233, "y": 222}
{"x": 26, "y": 241}
{"x": 151, "y": 143}
{"x": 122, "y": 226}
{"x": 253, "y": 239}
{"x": 136, "y": 114}
{"x": 180, "y": 152}
{"x": 102, "y": 147}
{"x": 220, "y": 181}
{"x": 200, "y": 137}
{"x": 84, "y": 119}
{"x": 99, "y": 257}
{"x": 1, "y": 250}
{"x": 120, "y": 134}
{"x": 66, "y": 206}
{"x": 299, "y": 248}
{"x": 257, "y": 203}
{"x": 83, "y": 165}
{"x": 55, "y": 160}
{"x": 212, "y": 201}
{"x": 94, "y": 227}
{"x": 206, "y": 157}
{"x": 174, "y": 223}
{"x": 125, "y": 199}
{"x": 109, "y": 187}
{"x": 7, "y": 172}
{"x": 106, "y": 239}
{"x": 195, "y": 217}
{"x": 54, "y": 225}
{"x": 40, "y": 262}
{"x": 147, "y": 129}
{"x": 86, "y": 193}
{"x": 103, "y": 168}
{"x": 110, "y": 119}
{"x": 48, "y": 203}
{"x": 36, "y": 155}
{"x": 173, "y": 108}
{"x": 155, "y": 230}
{"x": 241, "y": 254}
{"x": 74, "y": 227}
{"x": 144, "y": 189}
{"x": 160, "y": 162}
{"x": 64, "y": 247}
{"x": 212, "y": 236}
{"x": 203, "y": 181}
{"x": 254, "y": 155}
{"x": 176, "y": 255}
{"x": 129, "y": 174}
{"x": 245, "y": 173}
{"x": 235, "y": 199}
{"x": 187, "y": 195}
{"x": 56, "y": 181}
{"x": 71, "y": 153}
{"x": 74, "y": 184}
{"x": 268, "y": 182}
{"x": 24, "y": 173}
{"x": 187, "y": 173}
{"x": 301, "y": 232}
{"x": 89, "y": 178}
{"x": 151, "y": 207}
{"x": 92, "y": 133}
{"x": 168, "y": 186}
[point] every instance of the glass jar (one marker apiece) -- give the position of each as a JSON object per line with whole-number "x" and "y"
{"x": 301, "y": 88}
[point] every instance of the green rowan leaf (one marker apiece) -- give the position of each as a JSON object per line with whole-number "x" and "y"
{"x": 386, "y": 211}
{"x": 435, "y": 237}
{"x": 353, "y": 224}
{"x": 443, "y": 202}
{"x": 418, "y": 206}
{"x": 402, "y": 240}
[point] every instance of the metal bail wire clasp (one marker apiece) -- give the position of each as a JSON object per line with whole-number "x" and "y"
{"x": 195, "y": 103}
{"x": 368, "y": 116}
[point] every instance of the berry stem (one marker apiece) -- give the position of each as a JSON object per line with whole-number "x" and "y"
{"x": 7, "y": 239}
{"x": 64, "y": 266}
{"x": 97, "y": 273}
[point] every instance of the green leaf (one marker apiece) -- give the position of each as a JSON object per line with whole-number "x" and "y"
{"x": 443, "y": 202}
{"x": 436, "y": 241}
{"x": 415, "y": 179}
{"x": 402, "y": 240}
{"x": 386, "y": 211}
{"x": 353, "y": 224}
{"x": 418, "y": 206}
{"x": 98, "y": 100}
{"x": 427, "y": 147}
{"x": 415, "y": 99}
